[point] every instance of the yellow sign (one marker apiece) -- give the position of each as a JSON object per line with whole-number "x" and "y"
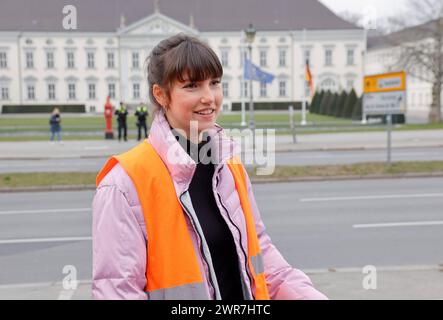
{"x": 387, "y": 82}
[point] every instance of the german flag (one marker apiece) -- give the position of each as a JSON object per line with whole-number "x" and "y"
{"x": 308, "y": 77}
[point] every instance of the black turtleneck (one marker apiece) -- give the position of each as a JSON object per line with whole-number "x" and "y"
{"x": 217, "y": 234}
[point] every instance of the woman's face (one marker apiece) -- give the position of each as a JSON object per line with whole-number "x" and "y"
{"x": 194, "y": 101}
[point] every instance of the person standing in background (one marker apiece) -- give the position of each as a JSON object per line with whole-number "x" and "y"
{"x": 141, "y": 113}
{"x": 122, "y": 114}
{"x": 54, "y": 122}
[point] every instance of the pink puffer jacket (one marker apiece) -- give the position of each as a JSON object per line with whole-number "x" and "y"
{"x": 120, "y": 239}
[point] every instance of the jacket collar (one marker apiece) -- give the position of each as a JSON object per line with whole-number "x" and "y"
{"x": 179, "y": 164}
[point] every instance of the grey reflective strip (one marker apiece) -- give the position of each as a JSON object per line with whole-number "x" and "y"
{"x": 193, "y": 291}
{"x": 187, "y": 202}
{"x": 245, "y": 288}
{"x": 257, "y": 263}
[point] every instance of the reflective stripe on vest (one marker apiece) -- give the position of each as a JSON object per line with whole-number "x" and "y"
{"x": 255, "y": 259}
{"x": 172, "y": 268}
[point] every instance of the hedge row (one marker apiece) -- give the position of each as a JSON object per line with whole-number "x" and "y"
{"x": 340, "y": 105}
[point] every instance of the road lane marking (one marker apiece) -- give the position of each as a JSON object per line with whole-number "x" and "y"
{"x": 398, "y": 224}
{"x": 43, "y": 240}
{"x": 45, "y": 211}
{"x": 386, "y": 196}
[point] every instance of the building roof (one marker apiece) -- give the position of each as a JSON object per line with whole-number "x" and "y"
{"x": 409, "y": 34}
{"x": 207, "y": 15}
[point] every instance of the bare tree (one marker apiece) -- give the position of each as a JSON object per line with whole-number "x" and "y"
{"x": 383, "y": 25}
{"x": 420, "y": 51}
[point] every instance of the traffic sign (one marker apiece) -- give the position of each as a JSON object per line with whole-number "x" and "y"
{"x": 385, "y": 94}
{"x": 384, "y": 103}
{"x": 387, "y": 82}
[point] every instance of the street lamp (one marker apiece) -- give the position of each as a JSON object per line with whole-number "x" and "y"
{"x": 250, "y": 36}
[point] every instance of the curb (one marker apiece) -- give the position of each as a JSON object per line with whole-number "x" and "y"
{"x": 358, "y": 148}
{"x": 253, "y": 180}
{"x": 283, "y": 150}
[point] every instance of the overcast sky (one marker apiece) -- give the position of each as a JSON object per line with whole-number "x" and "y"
{"x": 384, "y": 7}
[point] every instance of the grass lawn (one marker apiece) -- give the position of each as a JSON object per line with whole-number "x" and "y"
{"x": 89, "y": 127}
{"x": 361, "y": 169}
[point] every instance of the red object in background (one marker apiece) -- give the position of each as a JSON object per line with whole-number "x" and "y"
{"x": 109, "y": 110}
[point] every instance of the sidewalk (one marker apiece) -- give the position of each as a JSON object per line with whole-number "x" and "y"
{"x": 306, "y": 142}
{"x": 404, "y": 283}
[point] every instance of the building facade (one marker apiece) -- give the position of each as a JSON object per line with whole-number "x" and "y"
{"x": 48, "y": 66}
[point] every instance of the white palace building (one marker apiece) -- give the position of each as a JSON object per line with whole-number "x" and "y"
{"x": 43, "y": 63}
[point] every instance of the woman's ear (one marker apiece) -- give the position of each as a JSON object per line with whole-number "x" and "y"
{"x": 159, "y": 95}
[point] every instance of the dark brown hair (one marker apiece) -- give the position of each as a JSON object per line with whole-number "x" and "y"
{"x": 176, "y": 56}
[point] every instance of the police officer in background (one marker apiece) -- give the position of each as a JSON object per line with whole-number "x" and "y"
{"x": 121, "y": 114}
{"x": 141, "y": 113}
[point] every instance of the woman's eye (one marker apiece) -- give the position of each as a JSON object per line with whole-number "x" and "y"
{"x": 191, "y": 85}
{"x": 216, "y": 82}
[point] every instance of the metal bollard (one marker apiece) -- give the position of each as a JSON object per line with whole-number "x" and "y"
{"x": 292, "y": 123}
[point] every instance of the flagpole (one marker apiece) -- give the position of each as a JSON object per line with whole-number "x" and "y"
{"x": 303, "y": 113}
{"x": 242, "y": 88}
{"x": 251, "y": 101}
{"x": 250, "y": 35}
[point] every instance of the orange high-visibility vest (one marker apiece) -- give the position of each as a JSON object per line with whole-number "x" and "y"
{"x": 172, "y": 269}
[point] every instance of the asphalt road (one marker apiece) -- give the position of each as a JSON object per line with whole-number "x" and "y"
{"x": 329, "y": 224}
{"x": 299, "y": 158}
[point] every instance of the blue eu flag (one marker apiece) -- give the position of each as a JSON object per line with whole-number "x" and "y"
{"x": 256, "y": 73}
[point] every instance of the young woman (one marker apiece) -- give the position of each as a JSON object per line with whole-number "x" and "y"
{"x": 175, "y": 217}
{"x": 54, "y": 122}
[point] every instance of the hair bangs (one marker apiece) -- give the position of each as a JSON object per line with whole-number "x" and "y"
{"x": 193, "y": 61}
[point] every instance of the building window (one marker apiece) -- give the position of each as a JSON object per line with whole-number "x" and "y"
{"x": 282, "y": 88}
{"x": 225, "y": 88}
{"x": 111, "y": 90}
{"x": 70, "y": 60}
{"x": 282, "y": 58}
{"x": 71, "y": 91}
{"x": 263, "y": 58}
{"x": 328, "y": 84}
{"x": 135, "y": 60}
{"x": 243, "y": 56}
{"x": 5, "y": 93}
{"x": 263, "y": 89}
{"x": 3, "y": 60}
{"x": 31, "y": 92}
{"x": 111, "y": 60}
{"x": 91, "y": 91}
{"x": 91, "y": 60}
{"x": 51, "y": 91}
{"x": 50, "y": 60}
{"x": 29, "y": 60}
{"x": 350, "y": 57}
{"x": 225, "y": 58}
{"x": 328, "y": 57}
{"x": 136, "y": 90}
